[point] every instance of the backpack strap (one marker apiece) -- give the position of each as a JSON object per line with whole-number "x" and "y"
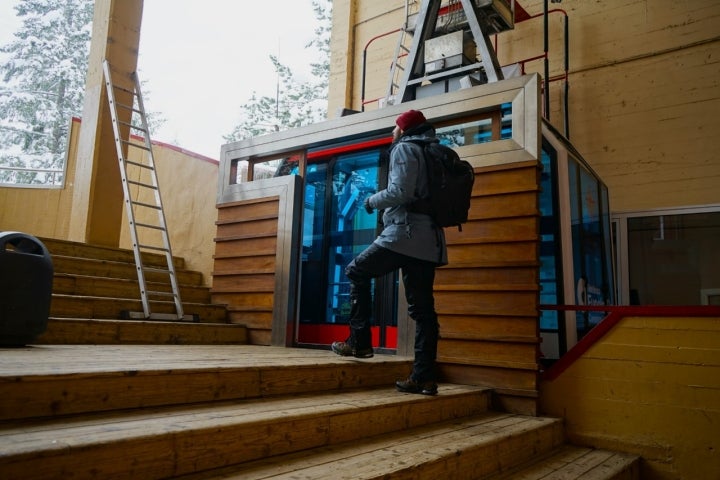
{"x": 422, "y": 205}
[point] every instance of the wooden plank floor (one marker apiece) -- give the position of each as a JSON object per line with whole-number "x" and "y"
{"x": 52, "y": 380}
{"x": 79, "y": 359}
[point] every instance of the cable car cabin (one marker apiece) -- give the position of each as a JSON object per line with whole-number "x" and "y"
{"x": 290, "y": 219}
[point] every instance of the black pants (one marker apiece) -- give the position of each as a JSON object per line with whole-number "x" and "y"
{"x": 418, "y": 277}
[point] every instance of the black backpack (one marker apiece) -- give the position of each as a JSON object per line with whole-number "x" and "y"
{"x": 451, "y": 181}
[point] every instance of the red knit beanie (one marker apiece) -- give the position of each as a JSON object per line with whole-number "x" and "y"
{"x": 410, "y": 119}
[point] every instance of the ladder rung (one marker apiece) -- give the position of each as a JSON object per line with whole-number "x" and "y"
{"x": 146, "y": 205}
{"x": 156, "y": 270}
{"x": 128, "y": 107}
{"x": 131, "y": 144}
{"x": 134, "y": 127}
{"x": 141, "y": 165}
{"x": 123, "y": 89}
{"x": 147, "y": 225}
{"x": 140, "y": 184}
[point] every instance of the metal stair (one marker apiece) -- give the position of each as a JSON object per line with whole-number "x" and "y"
{"x": 142, "y": 194}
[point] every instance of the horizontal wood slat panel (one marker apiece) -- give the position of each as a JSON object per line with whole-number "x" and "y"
{"x": 521, "y": 304}
{"x": 469, "y": 352}
{"x": 490, "y": 376}
{"x": 248, "y": 210}
{"x": 245, "y": 263}
{"x": 260, "y": 336}
{"x": 506, "y": 181}
{"x": 514, "y": 204}
{"x": 487, "y": 296}
{"x": 496, "y": 230}
{"x": 262, "y": 227}
{"x": 249, "y": 246}
{"x": 254, "y": 318}
{"x": 450, "y": 275}
{"x": 248, "y": 300}
{"x": 488, "y": 328}
{"x": 246, "y": 283}
{"x": 501, "y": 254}
{"x": 238, "y": 264}
{"x": 486, "y": 287}
{"x": 251, "y": 319}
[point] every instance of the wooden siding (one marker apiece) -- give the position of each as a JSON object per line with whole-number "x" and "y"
{"x": 488, "y": 294}
{"x": 244, "y": 271}
{"x": 651, "y": 386}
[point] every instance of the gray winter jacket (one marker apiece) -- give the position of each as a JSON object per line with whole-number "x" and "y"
{"x": 410, "y": 233}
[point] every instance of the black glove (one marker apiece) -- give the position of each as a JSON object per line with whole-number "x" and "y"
{"x": 366, "y": 203}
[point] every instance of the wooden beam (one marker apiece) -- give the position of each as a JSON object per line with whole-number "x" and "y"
{"x": 97, "y": 205}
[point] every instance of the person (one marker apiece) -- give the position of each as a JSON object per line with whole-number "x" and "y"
{"x": 409, "y": 241}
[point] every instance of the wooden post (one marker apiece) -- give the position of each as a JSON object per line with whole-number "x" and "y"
{"x": 97, "y": 207}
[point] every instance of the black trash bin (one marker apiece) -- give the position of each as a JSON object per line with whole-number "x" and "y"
{"x": 26, "y": 275}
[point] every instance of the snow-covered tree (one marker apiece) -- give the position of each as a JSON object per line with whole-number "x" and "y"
{"x": 43, "y": 85}
{"x": 295, "y": 103}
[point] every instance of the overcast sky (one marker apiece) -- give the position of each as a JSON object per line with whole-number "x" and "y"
{"x": 202, "y": 60}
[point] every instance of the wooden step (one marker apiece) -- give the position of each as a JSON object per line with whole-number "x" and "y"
{"x": 112, "y": 269}
{"x": 171, "y": 441}
{"x": 572, "y": 462}
{"x": 73, "y": 306}
{"x": 52, "y": 380}
{"x": 84, "y": 285}
{"x": 68, "y": 248}
{"x": 468, "y": 448}
{"x": 67, "y": 331}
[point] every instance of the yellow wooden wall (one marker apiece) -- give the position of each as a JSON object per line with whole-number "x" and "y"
{"x": 651, "y": 386}
{"x": 43, "y": 212}
{"x": 643, "y": 76}
{"x": 188, "y": 184}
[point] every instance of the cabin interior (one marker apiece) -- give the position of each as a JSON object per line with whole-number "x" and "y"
{"x": 579, "y": 319}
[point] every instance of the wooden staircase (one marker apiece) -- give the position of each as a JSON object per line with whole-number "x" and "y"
{"x": 256, "y": 412}
{"x": 103, "y": 398}
{"x": 94, "y": 286}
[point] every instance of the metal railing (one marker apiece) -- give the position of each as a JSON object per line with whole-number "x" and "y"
{"x": 55, "y": 179}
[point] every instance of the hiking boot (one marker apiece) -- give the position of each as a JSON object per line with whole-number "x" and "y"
{"x": 346, "y": 350}
{"x": 411, "y": 386}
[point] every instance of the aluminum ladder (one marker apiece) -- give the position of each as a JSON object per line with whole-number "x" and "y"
{"x": 140, "y": 177}
{"x": 402, "y": 50}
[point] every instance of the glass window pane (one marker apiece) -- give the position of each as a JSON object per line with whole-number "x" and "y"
{"x": 492, "y": 126}
{"x": 277, "y": 167}
{"x": 674, "y": 259}
{"x": 591, "y": 241}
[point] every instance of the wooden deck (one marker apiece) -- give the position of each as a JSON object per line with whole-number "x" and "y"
{"x": 252, "y": 412}
{"x": 102, "y": 398}
{"x": 48, "y": 380}
{"x": 38, "y": 360}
